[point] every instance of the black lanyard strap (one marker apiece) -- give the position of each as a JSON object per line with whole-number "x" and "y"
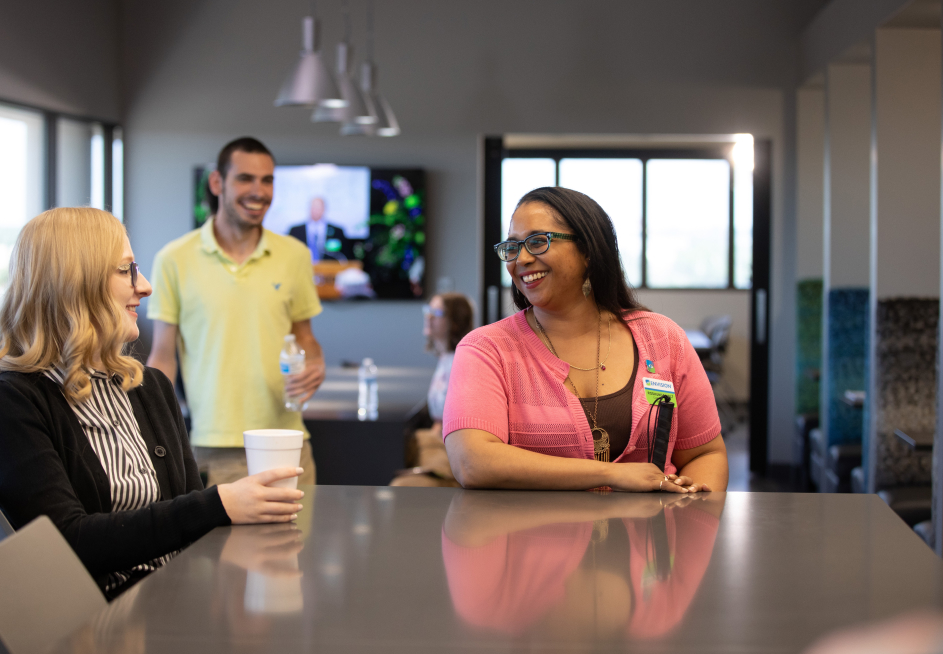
{"x": 658, "y": 441}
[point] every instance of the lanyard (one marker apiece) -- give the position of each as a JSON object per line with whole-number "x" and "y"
{"x": 658, "y": 441}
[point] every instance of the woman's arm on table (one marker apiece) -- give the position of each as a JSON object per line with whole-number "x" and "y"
{"x": 705, "y": 465}
{"x": 482, "y": 460}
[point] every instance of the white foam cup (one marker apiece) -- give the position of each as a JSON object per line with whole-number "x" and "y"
{"x": 273, "y": 448}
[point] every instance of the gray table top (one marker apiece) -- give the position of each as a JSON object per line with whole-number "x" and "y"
{"x": 427, "y": 569}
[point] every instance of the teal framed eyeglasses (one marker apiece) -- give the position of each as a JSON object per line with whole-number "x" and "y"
{"x": 535, "y": 244}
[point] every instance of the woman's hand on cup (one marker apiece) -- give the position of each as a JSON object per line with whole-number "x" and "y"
{"x": 251, "y": 501}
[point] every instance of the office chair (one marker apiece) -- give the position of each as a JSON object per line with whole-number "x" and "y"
{"x": 47, "y": 592}
{"x": 717, "y": 329}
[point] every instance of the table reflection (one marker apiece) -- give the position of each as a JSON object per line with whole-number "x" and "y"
{"x": 579, "y": 566}
{"x": 269, "y": 555}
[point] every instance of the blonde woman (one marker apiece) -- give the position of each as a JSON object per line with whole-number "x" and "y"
{"x": 89, "y": 436}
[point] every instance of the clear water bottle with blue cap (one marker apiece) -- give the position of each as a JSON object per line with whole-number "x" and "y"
{"x": 291, "y": 361}
{"x": 367, "y": 402}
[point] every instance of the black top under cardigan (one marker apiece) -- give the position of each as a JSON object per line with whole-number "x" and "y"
{"x": 48, "y": 467}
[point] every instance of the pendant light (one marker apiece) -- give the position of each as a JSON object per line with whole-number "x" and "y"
{"x": 386, "y": 123}
{"x": 309, "y": 82}
{"x": 356, "y": 109}
{"x": 383, "y": 121}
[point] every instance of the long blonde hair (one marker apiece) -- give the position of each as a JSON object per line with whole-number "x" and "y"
{"x": 59, "y": 310}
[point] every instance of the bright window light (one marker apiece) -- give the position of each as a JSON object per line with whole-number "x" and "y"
{"x": 97, "y": 163}
{"x": 21, "y": 177}
{"x": 518, "y": 177}
{"x": 687, "y": 242}
{"x": 743, "y": 211}
{"x": 616, "y": 184}
{"x": 117, "y": 174}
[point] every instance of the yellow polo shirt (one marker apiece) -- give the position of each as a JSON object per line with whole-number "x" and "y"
{"x": 232, "y": 320}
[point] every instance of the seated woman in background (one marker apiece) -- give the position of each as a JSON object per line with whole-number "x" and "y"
{"x": 446, "y": 320}
{"x": 554, "y": 396}
{"x": 89, "y": 436}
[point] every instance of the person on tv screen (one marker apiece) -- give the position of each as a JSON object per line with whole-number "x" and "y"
{"x": 90, "y": 437}
{"x": 225, "y": 297}
{"x": 583, "y": 388}
{"x": 326, "y": 241}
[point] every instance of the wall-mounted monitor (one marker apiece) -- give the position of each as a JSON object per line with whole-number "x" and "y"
{"x": 365, "y": 227}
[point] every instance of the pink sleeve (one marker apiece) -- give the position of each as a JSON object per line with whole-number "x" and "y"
{"x": 477, "y": 397}
{"x": 696, "y": 415}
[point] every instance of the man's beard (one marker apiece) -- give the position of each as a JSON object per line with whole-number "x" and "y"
{"x": 233, "y": 217}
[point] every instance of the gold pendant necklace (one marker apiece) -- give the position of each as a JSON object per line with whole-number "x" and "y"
{"x": 600, "y": 435}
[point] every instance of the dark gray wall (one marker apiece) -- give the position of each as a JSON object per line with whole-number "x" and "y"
{"x": 61, "y": 55}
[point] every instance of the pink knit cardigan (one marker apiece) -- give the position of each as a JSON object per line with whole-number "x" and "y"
{"x": 506, "y": 382}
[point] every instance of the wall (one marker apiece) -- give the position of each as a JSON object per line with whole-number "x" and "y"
{"x": 810, "y": 159}
{"x": 906, "y": 248}
{"x": 199, "y": 72}
{"x": 61, "y": 56}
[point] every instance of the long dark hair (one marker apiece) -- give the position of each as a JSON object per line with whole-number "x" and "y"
{"x": 597, "y": 242}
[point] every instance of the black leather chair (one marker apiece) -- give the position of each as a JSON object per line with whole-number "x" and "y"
{"x": 805, "y": 423}
{"x": 925, "y": 531}
{"x": 912, "y": 503}
{"x": 840, "y": 460}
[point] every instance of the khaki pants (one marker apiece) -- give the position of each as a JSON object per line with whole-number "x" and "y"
{"x": 225, "y": 465}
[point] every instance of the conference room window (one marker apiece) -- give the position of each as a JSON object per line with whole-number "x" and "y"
{"x": 683, "y": 218}
{"x": 518, "y": 176}
{"x": 21, "y": 177}
{"x": 616, "y": 184}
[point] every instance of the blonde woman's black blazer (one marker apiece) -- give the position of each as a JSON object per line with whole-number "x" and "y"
{"x": 48, "y": 467}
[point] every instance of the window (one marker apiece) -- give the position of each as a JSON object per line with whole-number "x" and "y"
{"x": 51, "y": 160}
{"x": 688, "y": 223}
{"x": 21, "y": 177}
{"x": 683, "y": 219}
{"x": 616, "y": 184}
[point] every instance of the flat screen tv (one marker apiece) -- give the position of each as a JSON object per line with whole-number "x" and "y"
{"x": 365, "y": 227}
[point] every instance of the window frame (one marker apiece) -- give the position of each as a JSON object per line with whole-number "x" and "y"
{"x": 50, "y": 153}
{"x": 708, "y": 151}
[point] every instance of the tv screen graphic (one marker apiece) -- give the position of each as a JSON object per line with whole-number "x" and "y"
{"x": 365, "y": 227}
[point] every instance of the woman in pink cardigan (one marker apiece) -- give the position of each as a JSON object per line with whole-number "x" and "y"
{"x": 568, "y": 392}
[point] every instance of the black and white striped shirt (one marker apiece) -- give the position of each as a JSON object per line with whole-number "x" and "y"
{"x": 113, "y": 432}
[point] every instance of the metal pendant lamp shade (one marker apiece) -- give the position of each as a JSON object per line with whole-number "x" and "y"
{"x": 386, "y": 123}
{"x": 356, "y": 108}
{"x": 310, "y": 83}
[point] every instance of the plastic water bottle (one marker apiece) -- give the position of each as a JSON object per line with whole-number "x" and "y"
{"x": 367, "y": 403}
{"x": 291, "y": 360}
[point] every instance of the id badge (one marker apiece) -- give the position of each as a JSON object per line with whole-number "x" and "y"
{"x": 658, "y": 388}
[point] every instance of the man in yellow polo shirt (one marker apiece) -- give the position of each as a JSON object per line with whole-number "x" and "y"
{"x": 225, "y": 296}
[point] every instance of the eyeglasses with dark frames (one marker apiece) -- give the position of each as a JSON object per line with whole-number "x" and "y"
{"x": 535, "y": 244}
{"x": 130, "y": 268}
